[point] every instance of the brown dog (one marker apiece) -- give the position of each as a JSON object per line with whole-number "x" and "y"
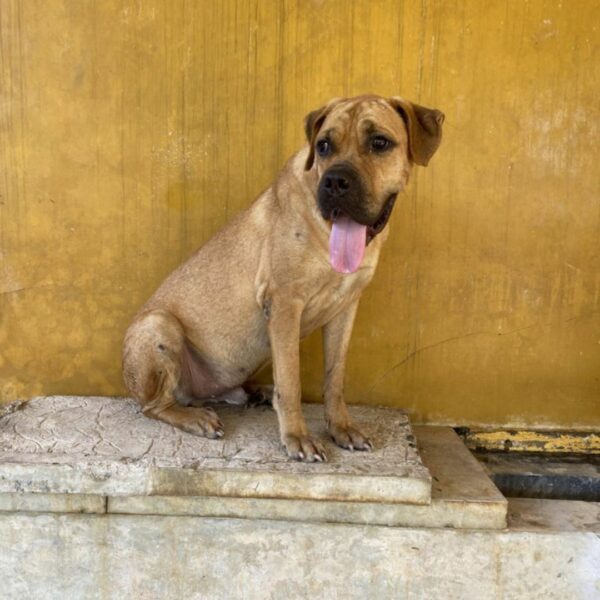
{"x": 297, "y": 259}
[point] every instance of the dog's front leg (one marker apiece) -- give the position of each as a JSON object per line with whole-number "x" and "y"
{"x": 284, "y": 334}
{"x": 336, "y": 339}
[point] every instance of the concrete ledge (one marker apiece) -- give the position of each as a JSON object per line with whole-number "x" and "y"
{"x": 462, "y": 497}
{"x": 164, "y": 541}
{"x": 439, "y": 514}
{"x": 166, "y": 557}
{"x": 106, "y": 446}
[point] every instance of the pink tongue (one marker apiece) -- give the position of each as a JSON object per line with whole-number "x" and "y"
{"x": 347, "y": 244}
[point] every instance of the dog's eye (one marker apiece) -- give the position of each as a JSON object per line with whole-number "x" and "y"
{"x": 323, "y": 147}
{"x": 380, "y": 144}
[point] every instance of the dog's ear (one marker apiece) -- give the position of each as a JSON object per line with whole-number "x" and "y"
{"x": 424, "y": 127}
{"x": 312, "y": 123}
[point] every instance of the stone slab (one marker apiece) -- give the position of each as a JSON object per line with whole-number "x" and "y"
{"x": 440, "y": 513}
{"x": 49, "y": 556}
{"x": 458, "y": 474}
{"x": 107, "y": 446}
{"x": 462, "y": 497}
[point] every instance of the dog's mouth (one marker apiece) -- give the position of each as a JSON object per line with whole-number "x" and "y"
{"x": 383, "y": 218}
{"x": 348, "y": 239}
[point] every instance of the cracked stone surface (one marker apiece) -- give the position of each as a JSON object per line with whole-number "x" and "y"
{"x": 106, "y": 445}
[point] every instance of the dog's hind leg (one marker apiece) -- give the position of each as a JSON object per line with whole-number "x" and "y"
{"x": 154, "y": 365}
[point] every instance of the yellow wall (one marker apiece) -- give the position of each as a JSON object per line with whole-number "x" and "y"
{"x": 131, "y": 131}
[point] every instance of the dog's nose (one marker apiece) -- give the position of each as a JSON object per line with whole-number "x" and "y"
{"x": 336, "y": 184}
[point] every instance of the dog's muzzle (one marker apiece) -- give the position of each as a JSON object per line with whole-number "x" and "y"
{"x": 343, "y": 200}
{"x": 342, "y": 192}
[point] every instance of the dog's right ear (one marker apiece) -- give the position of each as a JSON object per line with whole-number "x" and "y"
{"x": 312, "y": 124}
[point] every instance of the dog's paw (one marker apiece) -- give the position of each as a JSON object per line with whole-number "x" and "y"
{"x": 204, "y": 422}
{"x": 350, "y": 438}
{"x": 304, "y": 447}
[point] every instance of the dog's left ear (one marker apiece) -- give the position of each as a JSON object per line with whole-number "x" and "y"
{"x": 312, "y": 123}
{"x": 424, "y": 129}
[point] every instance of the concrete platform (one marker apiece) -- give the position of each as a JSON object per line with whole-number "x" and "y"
{"x": 81, "y": 518}
{"x": 78, "y": 556}
{"x": 462, "y": 497}
{"x": 107, "y": 446}
{"x": 96, "y": 455}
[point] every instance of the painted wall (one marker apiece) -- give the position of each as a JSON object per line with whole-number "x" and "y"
{"x": 131, "y": 131}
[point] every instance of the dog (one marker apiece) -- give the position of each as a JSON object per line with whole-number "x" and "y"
{"x": 297, "y": 259}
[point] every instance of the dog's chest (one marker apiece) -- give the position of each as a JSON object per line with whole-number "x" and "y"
{"x": 329, "y": 296}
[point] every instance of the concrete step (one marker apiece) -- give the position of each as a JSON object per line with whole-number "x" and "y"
{"x": 98, "y": 502}
{"x": 107, "y": 446}
{"x": 100, "y": 455}
{"x": 462, "y": 497}
{"x": 173, "y": 557}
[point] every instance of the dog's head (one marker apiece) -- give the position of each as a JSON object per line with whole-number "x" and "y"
{"x": 362, "y": 150}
